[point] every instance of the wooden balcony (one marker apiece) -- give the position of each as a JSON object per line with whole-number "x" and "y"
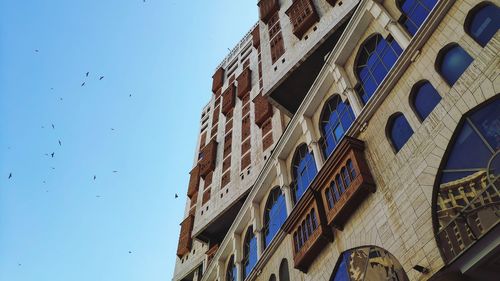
{"x": 207, "y": 159}
{"x": 194, "y": 181}
{"x": 267, "y": 8}
{"x": 303, "y": 16}
{"x": 211, "y": 253}
{"x": 185, "y": 240}
{"x": 218, "y": 79}
{"x": 244, "y": 82}
{"x": 309, "y": 230}
{"x": 344, "y": 181}
{"x": 256, "y": 37}
{"x": 263, "y": 110}
{"x": 228, "y": 99}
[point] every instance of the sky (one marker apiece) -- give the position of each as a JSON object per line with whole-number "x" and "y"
{"x": 135, "y": 130}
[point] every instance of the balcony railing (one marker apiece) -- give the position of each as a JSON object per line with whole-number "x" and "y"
{"x": 345, "y": 181}
{"x": 470, "y": 223}
{"x": 309, "y": 230}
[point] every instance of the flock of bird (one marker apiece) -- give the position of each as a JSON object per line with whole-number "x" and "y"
{"x": 52, "y": 155}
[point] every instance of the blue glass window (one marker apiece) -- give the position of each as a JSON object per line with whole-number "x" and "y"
{"x": 424, "y": 99}
{"x": 336, "y": 118}
{"x": 483, "y": 22}
{"x": 329, "y": 198}
{"x": 399, "y": 131}
{"x": 476, "y": 141}
{"x": 249, "y": 252}
{"x": 340, "y": 272}
{"x": 304, "y": 171}
{"x": 368, "y": 263}
{"x": 352, "y": 170}
{"x": 452, "y": 62}
{"x": 274, "y": 215}
{"x": 345, "y": 176}
{"x": 335, "y": 190}
{"x": 340, "y": 184}
{"x": 314, "y": 222}
{"x": 415, "y": 12}
{"x": 231, "y": 273}
{"x": 375, "y": 58}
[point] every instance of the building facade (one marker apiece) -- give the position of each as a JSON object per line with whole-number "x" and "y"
{"x": 351, "y": 140}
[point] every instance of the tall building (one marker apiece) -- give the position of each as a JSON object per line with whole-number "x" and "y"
{"x": 351, "y": 140}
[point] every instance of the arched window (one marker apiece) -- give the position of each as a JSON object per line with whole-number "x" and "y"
{"x": 304, "y": 170}
{"x": 272, "y": 278}
{"x": 398, "y": 131}
{"x": 414, "y": 13}
{"x": 249, "y": 252}
{"x": 274, "y": 214}
{"x": 375, "y": 58}
{"x": 423, "y": 99}
{"x": 451, "y": 62}
{"x": 482, "y": 22}
{"x": 329, "y": 198}
{"x": 352, "y": 170}
{"x": 466, "y": 195}
{"x": 336, "y": 118}
{"x": 346, "y": 177}
{"x": 370, "y": 261}
{"x": 231, "y": 273}
{"x": 340, "y": 184}
{"x": 283, "y": 271}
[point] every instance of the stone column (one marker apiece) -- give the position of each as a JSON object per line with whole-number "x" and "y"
{"x": 221, "y": 270}
{"x": 238, "y": 255}
{"x": 257, "y": 228}
{"x": 284, "y": 181}
{"x": 348, "y": 90}
{"x": 312, "y": 144}
{"x": 397, "y": 32}
{"x": 384, "y": 19}
{"x": 287, "y": 193}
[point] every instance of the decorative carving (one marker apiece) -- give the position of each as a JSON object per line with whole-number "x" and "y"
{"x": 303, "y": 16}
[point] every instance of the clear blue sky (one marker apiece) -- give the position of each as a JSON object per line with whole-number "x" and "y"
{"x": 163, "y": 52}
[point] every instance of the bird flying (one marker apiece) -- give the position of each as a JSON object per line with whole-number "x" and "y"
{"x": 60, "y": 143}
{"x": 10, "y": 175}
{"x": 53, "y": 127}
{"x": 102, "y": 77}
{"x": 83, "y": 84}
{"x": 176, "y": 196}
{"x": 87, "y": 74}
{"x": 95, "y": 177}
{"x": 52, "y": 154}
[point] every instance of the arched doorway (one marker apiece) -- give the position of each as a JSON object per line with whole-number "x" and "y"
{"x": 368, "y": 263}
{"x": 467, "y": 199}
